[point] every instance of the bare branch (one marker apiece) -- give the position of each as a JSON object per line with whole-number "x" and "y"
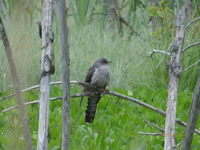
{"x": 157, "y": 51}
{"x": 154, "y": 134}
{"x": 175, "y": 147}
{"x": 54, "y": 98}
{"x": 28, "y": 89}
{"x": 99, "y": 90}
{"x": 52, "y": 83}
{"x": 191, "y": 65}
{"x": 191, "y": 22}
{"x": 164, "y": 55}
{"x": 193, "y": 44}
{"x": 161, "y": 129}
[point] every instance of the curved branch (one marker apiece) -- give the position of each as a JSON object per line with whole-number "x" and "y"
{"x": 191, "y": 22}
{"x": 28, "y": 89}
{"x": 164, "y": 55}
{"x": 191, "y": 65}
{"x": 193, "y": 44}
{"x": 99, "y": 90}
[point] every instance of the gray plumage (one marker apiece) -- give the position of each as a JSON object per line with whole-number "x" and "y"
{"x": 98, "y": 75}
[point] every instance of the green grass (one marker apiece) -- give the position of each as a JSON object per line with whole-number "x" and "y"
{"x": 116, "y": 124}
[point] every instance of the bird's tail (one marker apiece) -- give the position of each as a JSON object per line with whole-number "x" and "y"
{"x": 91, "y": 108}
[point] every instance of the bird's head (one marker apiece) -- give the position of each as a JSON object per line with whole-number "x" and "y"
{"x": 103, "y": 61}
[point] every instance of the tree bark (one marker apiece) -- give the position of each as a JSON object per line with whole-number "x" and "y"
{"x": 65, "y": 75}
{"x": 193, "y": 116}
{"x": 17, "y": 86}
{"x": 154, "y": 21}
{"x": 47, "y": 68}
{"x": 174, "y": 69}
{"x": 188, "y": 4}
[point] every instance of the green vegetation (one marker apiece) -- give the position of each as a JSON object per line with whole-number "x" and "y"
{"x": 132, "y": 73}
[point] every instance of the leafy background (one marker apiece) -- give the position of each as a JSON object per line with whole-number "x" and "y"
{"x": 117, "y": 122}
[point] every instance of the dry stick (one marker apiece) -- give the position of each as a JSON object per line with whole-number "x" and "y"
{"x": 54, "y": 98}
{"x": 193, "y": 44}
{"x": 127, "y": 24}
{"x": 17, "y": 86}
{"x": 47, "y": 68}
{"x": 28, "y": 89}
{"x": 154, "y": 134}
{"x": 191, "y": 65}
{"x": 161, "y": 129}
{"x": 65, "y": 61}
{"x": 191, "y": 22}
{"x": 158, "y": 51}
{"x": 163, "y": 113}
{"x": 164, "y": 55}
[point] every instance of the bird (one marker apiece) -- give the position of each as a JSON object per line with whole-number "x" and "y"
{"x": 99, "y": 76}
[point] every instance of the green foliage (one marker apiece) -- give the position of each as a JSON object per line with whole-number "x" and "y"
{"x": 115, "y": 126}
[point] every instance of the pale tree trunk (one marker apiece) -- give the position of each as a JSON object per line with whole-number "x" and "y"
{"x": 65, "y": 75}
{"x": 17, "y": 86}
{"x": 174, "y": 69}
{"x": 193, "y": 116}
{"x": 47, "y": 68}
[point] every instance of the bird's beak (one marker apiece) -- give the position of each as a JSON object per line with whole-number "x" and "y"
{"x": 109, "y": 61}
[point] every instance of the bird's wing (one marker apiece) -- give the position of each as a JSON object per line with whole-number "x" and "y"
{"x": 89, "y": 75}
{"x": 88, "y": 80}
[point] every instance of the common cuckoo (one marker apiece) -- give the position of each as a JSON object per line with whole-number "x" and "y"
{"x": 97, "y": 75}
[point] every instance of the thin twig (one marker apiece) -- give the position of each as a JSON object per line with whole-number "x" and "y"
{"x": 54, "y": 98}
{"x": 28, "y": 89}
{"x": 175, "y": 147}
{"x": 157, "y": 51}
{"x": 192, "y": 22}
{"x": 164, "y": 55}
{"x": 191, "y": 65}
{"x": 154, "y": 134}
{"x": 161, "y": 129}
{"x": 193, "y": 44}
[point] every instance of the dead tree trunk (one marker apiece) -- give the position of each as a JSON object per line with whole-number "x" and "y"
{"x": 47, "y": 68}
{"x": 17, "y": 86}
{"x": 193, "y": 116}
{"x": 174, "y": 69}
{"x": 65, "y": 75}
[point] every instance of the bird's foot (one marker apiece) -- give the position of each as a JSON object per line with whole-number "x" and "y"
{"x": 103, "y": 89}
